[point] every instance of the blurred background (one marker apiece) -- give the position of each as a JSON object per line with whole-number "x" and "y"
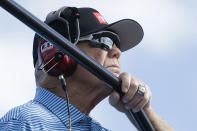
{"x": 165, "y": 59}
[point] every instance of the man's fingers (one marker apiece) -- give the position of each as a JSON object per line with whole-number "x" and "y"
{"x": 140, "y": 105}
{"x": 132, "y": 103}
{"x": 131, "y": 93}
{"x": 114, "y": 98}
{"x": 126, "y": 78}
{"x": 138, "y": 101}
{"x": 137, "y": 95}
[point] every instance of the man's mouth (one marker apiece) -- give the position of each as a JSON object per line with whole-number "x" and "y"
{"x": 114, "y": 69}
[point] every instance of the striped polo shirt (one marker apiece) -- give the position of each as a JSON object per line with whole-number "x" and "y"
{"x": 47, "y": 112}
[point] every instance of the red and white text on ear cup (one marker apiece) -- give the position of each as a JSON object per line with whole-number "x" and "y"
{"x": 47, "y": 53}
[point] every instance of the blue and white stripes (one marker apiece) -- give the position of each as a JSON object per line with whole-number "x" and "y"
{"x": 47, "y": 112}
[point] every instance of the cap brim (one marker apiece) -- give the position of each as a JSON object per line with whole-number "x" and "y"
{"x": 129, "y": 31}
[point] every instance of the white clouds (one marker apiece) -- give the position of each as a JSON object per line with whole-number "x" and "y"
{"x": 17, "y": 80}
{"x": 167, "y": 26}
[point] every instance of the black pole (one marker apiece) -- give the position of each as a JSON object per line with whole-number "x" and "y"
{"x": 75, "y": 53}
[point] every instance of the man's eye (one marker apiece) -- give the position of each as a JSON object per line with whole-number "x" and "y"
{"x": 105, "y": 47}
{"x": 107, "y": 41}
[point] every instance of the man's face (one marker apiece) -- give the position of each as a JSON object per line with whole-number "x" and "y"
{"x": 109, "y": 59}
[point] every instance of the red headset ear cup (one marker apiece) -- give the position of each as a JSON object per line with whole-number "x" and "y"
{"x": 66, "y": 67}
{"x": 46, "y": 55}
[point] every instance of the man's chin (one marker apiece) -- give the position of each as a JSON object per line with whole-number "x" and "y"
{"x": 115, "y": 71}
{"x": 116, "y": 74}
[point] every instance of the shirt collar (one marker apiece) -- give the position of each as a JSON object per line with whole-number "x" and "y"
{"x": 58, "y": 106}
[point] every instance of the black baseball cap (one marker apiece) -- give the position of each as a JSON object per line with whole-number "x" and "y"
{"x": 91, "y": 21}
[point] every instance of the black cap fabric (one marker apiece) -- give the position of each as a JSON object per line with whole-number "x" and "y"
{"x": 91, "y": 21}
{"x": 129, "y": 31}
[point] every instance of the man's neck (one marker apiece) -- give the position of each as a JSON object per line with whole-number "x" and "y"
{"x": 83, "y": 97}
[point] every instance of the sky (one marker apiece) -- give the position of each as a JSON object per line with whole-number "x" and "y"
{"x": 165, "y": 59}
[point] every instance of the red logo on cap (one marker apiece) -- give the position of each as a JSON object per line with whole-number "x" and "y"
{"x": 100, "y": 18}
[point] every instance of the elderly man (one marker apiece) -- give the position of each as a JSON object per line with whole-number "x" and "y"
{"x": 50, "y": 109}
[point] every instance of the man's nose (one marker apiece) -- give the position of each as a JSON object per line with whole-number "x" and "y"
{"x": 114, "y": 52}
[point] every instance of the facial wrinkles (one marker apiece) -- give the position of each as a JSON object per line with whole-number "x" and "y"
{"x": 113, "y": 65}
{"x": 114, "y": 56}
{"x": 100, "y": 56}
{"x": 112, "y": 62}
{"x": 105, "y": 58}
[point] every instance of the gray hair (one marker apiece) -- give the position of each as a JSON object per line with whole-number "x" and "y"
{"x": 43, "y": 79}
{"x": 40, "y": 75}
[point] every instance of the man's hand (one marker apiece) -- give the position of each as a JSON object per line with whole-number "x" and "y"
{"x": 131, "y": 99}
{"x": 135, "y": 101}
